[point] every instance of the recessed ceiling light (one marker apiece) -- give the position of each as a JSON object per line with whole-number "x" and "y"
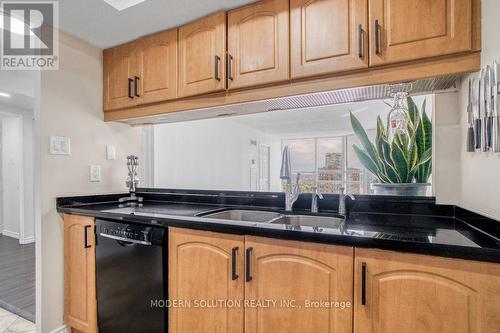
{"x": 123, "y": 4}
{"x": 4, "y": 94}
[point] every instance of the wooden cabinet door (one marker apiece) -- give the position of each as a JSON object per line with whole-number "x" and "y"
{"x": 258, "y": 44}
{"x": 202, "y": 49}
{"x": 423, "y": 294}
{"x": 201, "y": 269}
{"x": 80, "y": 303}
{"x": 157, "y": 67}
{"x": 415, "y": 29}
{"x": 120, "y": 67}
{"x": 297, "y": 272}
{"x": 328, "y": 36}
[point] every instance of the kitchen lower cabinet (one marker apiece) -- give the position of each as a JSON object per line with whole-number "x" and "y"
{"x": 301, "y": 277}
{"x": 399, "y": 293}
{"x": 204, "y": 268}
{"x": 280, "y": 284}
{"x": 80, "y": 302}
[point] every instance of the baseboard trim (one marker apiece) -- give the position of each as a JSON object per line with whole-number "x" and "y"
{"x": 62, "y": 329}
{"x": 27, "y": 240}
{"x": 11, "y": 234}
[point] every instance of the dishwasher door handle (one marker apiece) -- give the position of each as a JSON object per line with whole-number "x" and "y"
{"x": 124, "y": 239}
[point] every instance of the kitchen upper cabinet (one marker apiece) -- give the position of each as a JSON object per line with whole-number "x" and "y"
{"x": 157, "y": 67}
{"x": 80, "y": 303}
{"x": 258, "y": 44}
{"x": 396, "y": 292}
{"x": 403, "y": 30}
{"x": 205, "y": 266}
{"x": 300, "y": 272}
{"x": 202, "y": 49}
{"x": 328, "y": 36}
{"x": 120, "y": 68}
{"x": 144, "y": 71}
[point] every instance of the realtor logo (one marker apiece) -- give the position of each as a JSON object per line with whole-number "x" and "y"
{"x": 29, "y": 35}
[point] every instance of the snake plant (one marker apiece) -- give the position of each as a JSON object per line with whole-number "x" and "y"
{"x": 406, "y": 159}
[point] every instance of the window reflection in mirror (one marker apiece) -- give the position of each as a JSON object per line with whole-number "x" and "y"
{"x": 243, "y": 153}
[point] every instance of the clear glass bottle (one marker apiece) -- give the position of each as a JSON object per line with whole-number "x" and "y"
{"x": 398, "y": 118}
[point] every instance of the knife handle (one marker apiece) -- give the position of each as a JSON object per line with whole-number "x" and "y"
{"x": 477, "y": 133}
{"x": 489, "y": 132}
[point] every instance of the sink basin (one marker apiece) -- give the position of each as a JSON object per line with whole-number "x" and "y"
{"x": 309, "y": 221}
{"x": 243, "y": 215}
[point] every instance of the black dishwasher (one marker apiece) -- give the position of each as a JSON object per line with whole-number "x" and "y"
{"x": 130, "y": 270}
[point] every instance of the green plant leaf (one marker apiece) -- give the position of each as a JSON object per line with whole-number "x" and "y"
{"x": 400, "y": 161}
{"x": 365, "y": 141}
{"x": 413, "y": 111}
{"x": 426, "y": 157}
{"x": 365, "y": 159}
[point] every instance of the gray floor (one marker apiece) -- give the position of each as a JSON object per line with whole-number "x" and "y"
{"x": 17, "y": 277}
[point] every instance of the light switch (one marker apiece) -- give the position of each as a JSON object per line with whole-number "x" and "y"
{"x": 110, "y": 152}
{"x": 60, "y": 145}
{"x": 95, "y": 173}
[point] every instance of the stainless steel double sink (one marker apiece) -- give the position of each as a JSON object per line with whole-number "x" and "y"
{"x": 258, "y": 216}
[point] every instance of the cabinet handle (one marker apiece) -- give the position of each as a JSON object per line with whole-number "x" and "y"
{"x": 229, "y": 67}
{"x": 86, "y": 237}
{"x": 360, "y": 41}
{"x": 216, "y": 69}
{"x": 377, "y": 37}
{"x": 248, "y": 253}
{"x": 363, "y": 284}
{"x": 136, "y": 86}
{"x": 234, "y": 253}
{"x": 130, "y": 88}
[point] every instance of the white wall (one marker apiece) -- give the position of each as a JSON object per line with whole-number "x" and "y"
{"x": 71, "y": 105}
{"x": 18, "y": 172}
{"x": 12, "y": 173}
{"x": 446, "y": 152}
{"x": 209, "y": 154}
{"x": 480, "y": 172}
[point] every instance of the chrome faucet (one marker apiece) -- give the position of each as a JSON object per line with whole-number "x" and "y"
{"x": 132, "y": 181}
{"x": 342, "y": 198}
{"x": 291, "y": 191}
{"x": 315, "y": 196}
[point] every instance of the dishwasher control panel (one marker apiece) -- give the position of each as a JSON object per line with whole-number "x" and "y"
{"x": 126, "y": 231}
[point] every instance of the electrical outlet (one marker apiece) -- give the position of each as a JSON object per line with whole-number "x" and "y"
{"x": 110, "y": 152}
{"x": 95, "y": 173}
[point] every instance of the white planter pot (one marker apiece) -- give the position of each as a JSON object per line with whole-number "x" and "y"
{"x": 404, "y": 189}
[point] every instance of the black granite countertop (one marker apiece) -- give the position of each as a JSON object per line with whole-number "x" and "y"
{"x": 448, "y": 231}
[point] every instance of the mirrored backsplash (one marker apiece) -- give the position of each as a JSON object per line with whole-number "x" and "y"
{"x": 243, "y": 153}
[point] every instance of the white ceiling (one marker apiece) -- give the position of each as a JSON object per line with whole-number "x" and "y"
{"x": 97, "y": 23}
{"x": 331, "y": 120}
{"x": 21, "y": 87}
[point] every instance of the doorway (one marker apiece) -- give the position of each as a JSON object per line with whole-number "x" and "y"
{"x": 17, "y": 218}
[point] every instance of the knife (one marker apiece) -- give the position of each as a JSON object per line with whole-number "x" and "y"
{"x": 485, "y": 110}
{"x": 495, "y": 92}
{"x": 488, "y": 95}
{"x": 477, "y": 122}
{"x": 470, "y": 118}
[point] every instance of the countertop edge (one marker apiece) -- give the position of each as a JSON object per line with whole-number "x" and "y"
{"x": 198, "y": 223}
